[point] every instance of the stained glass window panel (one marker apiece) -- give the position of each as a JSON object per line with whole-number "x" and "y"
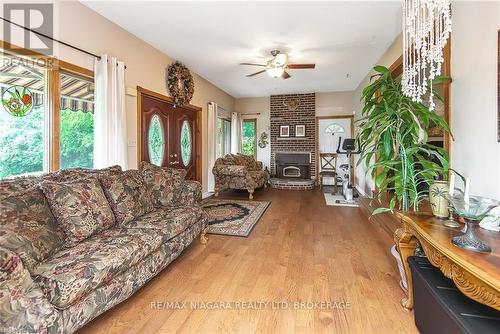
{"x": 156, "y": 141}
{"x": 186, "y": 143}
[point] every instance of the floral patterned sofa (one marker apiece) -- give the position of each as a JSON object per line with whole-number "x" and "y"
{"x": 239, "y": 172}
{"x": 77, "y": 242}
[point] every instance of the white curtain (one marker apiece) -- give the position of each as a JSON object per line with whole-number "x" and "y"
{"x": 212, "y": 143}
{"x": 110, "y": 118}
{"x": 235, "y": 132}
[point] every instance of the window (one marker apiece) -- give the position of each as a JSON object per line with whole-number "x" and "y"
{"x": 77, "y": 121}
{"x": 223, "y": 136}
{"x": 249, "y": 137}
{"x": 22, "y": 117}
{"x": 46, "y": 116}
{"x": 334, "y": 128}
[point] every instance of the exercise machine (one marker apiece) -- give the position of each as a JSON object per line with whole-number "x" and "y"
{"x": 348, "y": 148}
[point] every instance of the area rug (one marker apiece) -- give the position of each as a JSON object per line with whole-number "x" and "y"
{"x": 233, "y": 217}
{"x": 338, "y": 200}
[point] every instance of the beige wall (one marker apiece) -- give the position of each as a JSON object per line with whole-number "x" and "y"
{"x": 145, "y": 65}
{"x": 475, "y": 151}
{"x": 334, "y": 103}
{"x": 364, "y": 183}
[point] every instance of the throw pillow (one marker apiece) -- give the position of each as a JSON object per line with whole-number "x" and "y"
{"x": 75, "y": 174}
{"x": 163, "y": 182}
{"x": 28, "y": 228}
{"x": 80, "y": 207}
{"x": 127, "y": 194}
{"x": 250, "y": 162}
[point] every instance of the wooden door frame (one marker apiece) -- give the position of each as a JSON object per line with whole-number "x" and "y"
{"x": 167, "y": 99}
{"x": 318, "y": 162}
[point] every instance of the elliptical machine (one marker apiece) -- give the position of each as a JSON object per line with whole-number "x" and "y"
{"x": 348, "y": 148}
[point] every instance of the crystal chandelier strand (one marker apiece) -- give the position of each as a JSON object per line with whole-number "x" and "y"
{"x": 426, "y": 29}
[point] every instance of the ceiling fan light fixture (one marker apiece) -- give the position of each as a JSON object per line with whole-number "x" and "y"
{"x": 275, "y": 72}
{"x": 281, "y": 59}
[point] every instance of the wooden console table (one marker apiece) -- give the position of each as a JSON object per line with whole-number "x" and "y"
{"x": 476, "y": 275}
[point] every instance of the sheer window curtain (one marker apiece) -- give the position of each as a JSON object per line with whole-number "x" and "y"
{"x": 235, "y": 132}
{"x": 212, "y": 144}
{"x": 110, "y": 118}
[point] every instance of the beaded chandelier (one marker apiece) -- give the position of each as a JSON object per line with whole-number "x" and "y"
{"x": 426, "y": 29}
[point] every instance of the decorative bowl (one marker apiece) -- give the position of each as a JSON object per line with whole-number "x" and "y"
{"x": 472, "y": 211}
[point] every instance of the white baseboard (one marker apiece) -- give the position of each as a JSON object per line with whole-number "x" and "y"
{"x": 206, "y": 194}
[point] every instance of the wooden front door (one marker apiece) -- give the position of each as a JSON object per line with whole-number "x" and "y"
{"x": 168, "y": 135}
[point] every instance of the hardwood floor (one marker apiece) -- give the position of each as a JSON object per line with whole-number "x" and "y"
{"x": 301, "y": 250}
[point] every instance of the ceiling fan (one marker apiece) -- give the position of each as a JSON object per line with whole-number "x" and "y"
{"x": 277, "y": 66}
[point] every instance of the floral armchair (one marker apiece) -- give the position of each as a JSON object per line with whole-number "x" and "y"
{"x": 239, "y": 172}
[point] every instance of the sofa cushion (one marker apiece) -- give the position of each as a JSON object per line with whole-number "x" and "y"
{"x": 163, "y": 182}
{"x": 28, "y": 228}
{"x": 73, "y": 273}
{"x": 127, "y": 194}
{"x": 75, "y": 174}
{"x": 168, "y": 222}
{"x": 14, "y": 186}
{"x": 81, "y": 208}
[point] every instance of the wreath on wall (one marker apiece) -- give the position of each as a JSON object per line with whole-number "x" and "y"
{"x": 180, "y": 83}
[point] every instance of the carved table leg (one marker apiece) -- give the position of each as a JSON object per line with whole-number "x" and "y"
{"x": 250, "y": 194}
{"x": 203, "y": 236}
{"x": 406, "y": 244}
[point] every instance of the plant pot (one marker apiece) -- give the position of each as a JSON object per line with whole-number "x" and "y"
{"x": 437, "y": 199}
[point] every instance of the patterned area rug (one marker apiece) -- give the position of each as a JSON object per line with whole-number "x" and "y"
{"x": 232, "y": 217}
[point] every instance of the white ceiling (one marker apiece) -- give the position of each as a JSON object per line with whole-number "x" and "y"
{"x": 212, "y": 38}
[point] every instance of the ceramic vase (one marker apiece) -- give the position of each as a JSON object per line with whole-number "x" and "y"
{"x": 437, "y": 198}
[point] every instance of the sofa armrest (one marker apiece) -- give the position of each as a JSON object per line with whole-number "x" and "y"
{"x": 230, "y": 170}
{"x": 188, "y": 194}
{"x": 24, "y": 306}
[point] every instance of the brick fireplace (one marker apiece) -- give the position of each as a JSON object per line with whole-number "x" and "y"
{"x": 304, "y": 114}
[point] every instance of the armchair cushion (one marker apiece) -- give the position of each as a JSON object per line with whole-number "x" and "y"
{"x": 81, "y": 208}
{"x": 128, "y": 195}
{"x": 230, "y": 170}
{"x": 250, "y": 162}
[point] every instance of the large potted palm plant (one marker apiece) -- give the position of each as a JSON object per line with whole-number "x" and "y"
{"x": 394, "y": 143}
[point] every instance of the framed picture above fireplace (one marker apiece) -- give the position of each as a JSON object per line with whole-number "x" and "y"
{"x": 300, "y": 130}
{"x": 284, "y": 130}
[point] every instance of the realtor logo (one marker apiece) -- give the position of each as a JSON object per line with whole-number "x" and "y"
{"x": 38, "y": 17}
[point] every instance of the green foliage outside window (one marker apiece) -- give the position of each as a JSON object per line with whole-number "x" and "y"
{"x": 248, "y": 138}
{"x": 21, "y": 141}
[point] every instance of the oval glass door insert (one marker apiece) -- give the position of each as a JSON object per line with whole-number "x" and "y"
{"x": 186, "y": 143}
{"x": 156, "y": 141}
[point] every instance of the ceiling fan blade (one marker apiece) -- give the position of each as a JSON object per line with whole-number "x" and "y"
{"x": 251, "y": 75}
{"x": 285, "y": 75}
{"x": 301, "y": 66}
{"x": 252, "y": 64}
